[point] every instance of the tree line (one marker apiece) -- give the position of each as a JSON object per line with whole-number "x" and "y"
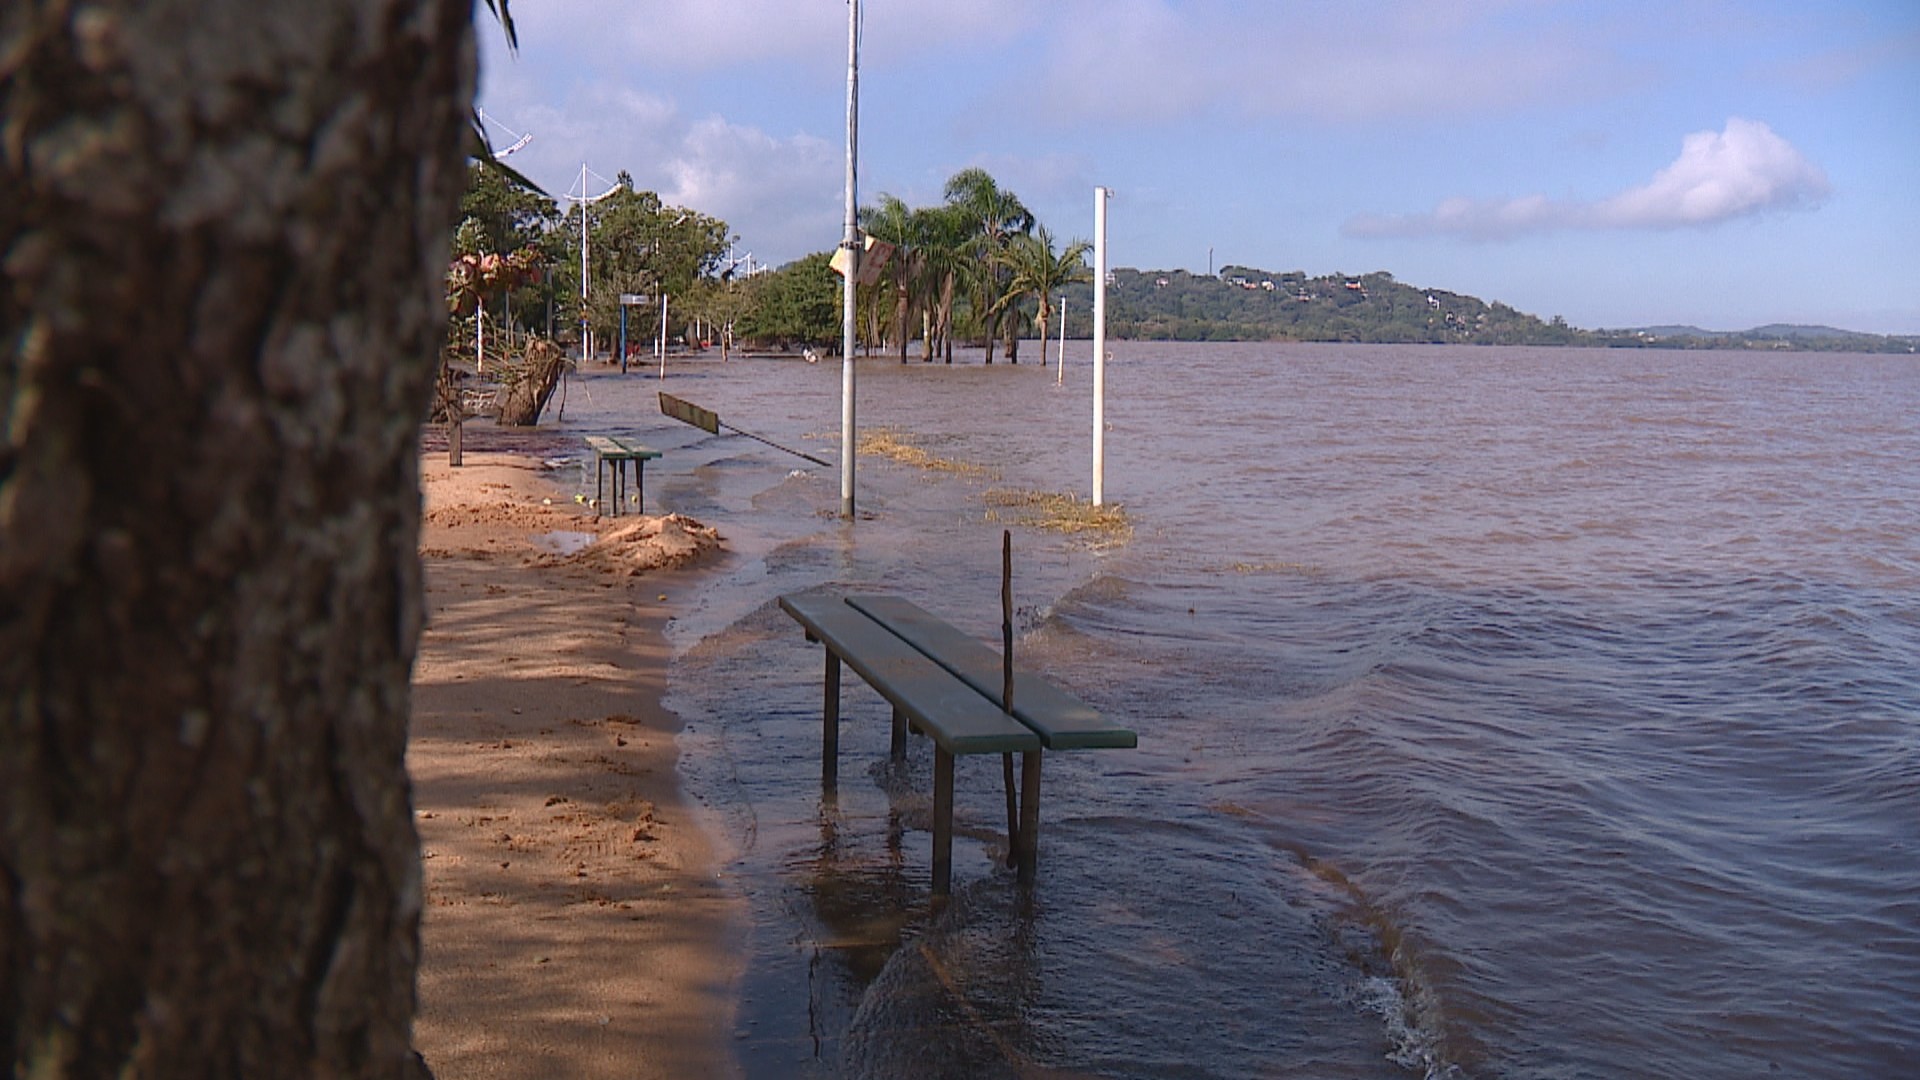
{"x": 1244, "y": 303}
{"x": 977, "y": 268}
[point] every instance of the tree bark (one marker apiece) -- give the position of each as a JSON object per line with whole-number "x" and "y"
{"x": 225, "y": 230}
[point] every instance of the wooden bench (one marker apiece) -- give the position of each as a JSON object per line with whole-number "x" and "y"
{"x": 1062, "y": 721}
{"x": 616, "y": 451}
{"x": 932, "y": 675}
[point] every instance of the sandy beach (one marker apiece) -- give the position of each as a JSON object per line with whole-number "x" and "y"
{"x": 574, "y": 922}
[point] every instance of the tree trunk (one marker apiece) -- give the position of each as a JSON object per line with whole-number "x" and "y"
{"x": 900, "y": 319}
{"x": 1040, "y": 320}
{"x": 531, "y": 380}
{"x": 226, "y": 230}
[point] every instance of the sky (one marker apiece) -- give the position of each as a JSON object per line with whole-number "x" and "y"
{"x": 1617, "y": 163}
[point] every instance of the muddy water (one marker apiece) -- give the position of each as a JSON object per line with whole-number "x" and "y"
{"x": 1503, "y": 712}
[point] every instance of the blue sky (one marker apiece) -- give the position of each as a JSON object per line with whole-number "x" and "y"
{"x": 1723, "y": 164}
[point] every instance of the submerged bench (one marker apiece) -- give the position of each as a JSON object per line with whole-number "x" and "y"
{"x": 617, "y": 451}
{"x": 936, "y": 679}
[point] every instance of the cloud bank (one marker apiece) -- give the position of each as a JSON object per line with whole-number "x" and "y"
{"x": 1719, "y": 176}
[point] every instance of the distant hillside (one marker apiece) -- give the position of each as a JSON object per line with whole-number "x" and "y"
{"x": 1770, "y": 336}
{"x": 1246, "y": 304}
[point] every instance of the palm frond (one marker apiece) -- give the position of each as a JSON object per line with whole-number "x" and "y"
{"x": 505, "y": 17}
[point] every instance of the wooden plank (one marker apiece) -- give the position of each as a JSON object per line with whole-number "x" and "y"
{"x": 634, "y": 449}
{"x": 1063, "y": 721}
{"x": 956, "y": 717}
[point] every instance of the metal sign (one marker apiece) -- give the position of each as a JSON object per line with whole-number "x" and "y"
{"x": 688, "y": 413}
{"x": 708, "y": 421}
{"x": 875, "y": 260}
{"x": 634, "y": 299}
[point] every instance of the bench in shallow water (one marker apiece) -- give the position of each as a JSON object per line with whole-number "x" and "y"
{"x": 947, "y": 686}
{"x": 616, "y": 450}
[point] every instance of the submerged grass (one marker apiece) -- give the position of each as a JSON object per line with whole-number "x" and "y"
{"x": 1060, "y": 512}
{"x": 1054, "y": 511}
{"x": 892, "y": 444}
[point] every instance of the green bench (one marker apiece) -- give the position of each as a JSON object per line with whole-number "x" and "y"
{"x": 616, "y": 451}
{"x": 935, "y": 678}
{"x": 1062, "y": 721}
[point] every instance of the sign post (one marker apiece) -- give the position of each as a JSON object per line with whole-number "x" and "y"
{"x": 628, "y": 300}
{"x": 849, "y": 243}
{"x": 1100, "y": 195}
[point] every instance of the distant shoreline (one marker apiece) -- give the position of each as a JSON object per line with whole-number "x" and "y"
{"x": 1245, "y": 304}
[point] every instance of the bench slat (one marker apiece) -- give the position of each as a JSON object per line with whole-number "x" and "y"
{"x": 635, "y": 450}
{"x": 950, "y": 711}
{"x": 618, "y": 448}
{"x": 1063, "y": 721}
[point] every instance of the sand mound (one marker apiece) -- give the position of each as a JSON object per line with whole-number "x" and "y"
{"x": 653, "y": 543}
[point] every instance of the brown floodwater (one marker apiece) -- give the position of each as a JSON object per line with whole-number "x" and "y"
{"x": 1502, "y": 713}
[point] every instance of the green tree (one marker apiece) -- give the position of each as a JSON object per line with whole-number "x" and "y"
{"x": 943, "y": 261}
{"x": 1034, "y": 269}
{"x": 993, "y": 216}
{"x": 507, "y": 215}
{"x": 635, "y": 244}
{"x": 894, "y": 221}
{"x": 798, "y": 304}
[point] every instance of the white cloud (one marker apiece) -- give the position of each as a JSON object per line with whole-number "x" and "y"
{"x": 780, "y": 194}
{"x": 1157, "y": 61}
{"x": 1719, "y": 176}
{"x": 1746, "y": 169}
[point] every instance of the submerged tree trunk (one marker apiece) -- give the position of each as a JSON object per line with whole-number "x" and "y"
{"x": 1040, "y": 321}
{"x": 530, "y": 383}
{"x": 226, "y": 232}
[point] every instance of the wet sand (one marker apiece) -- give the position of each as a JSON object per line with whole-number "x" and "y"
{"x": 574, "y": 922}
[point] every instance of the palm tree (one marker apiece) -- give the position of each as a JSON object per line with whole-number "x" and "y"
{"x": 894, "y": 221}
{"x": 994, "y": 216}
{"x": 1034, "y": 270}
{"x": 944, "y": 259}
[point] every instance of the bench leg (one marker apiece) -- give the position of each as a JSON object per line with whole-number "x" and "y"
{"x": 899, "y": 747}
{"x": 942, "y": 822}
{"x": 599, "y": 482}
{"x": 830, "y": 725}
{"x": 640, "y": 485}
{"x": 1029, "y": 836}
{"x": 1013, "y": 810}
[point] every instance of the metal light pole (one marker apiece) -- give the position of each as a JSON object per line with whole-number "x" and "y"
{"x": 1099, "y": 344}
{"x": 586, "y": 341}
{"x": 850, "y": 243}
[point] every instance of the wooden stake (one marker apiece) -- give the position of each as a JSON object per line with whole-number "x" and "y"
{"x": 1006, "y": 619}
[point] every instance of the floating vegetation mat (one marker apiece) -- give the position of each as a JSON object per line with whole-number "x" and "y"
{"x": 1059, "y": 512}
{"x": 892, "y": 444}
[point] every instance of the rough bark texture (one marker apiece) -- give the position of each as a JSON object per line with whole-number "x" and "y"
{"x": 224, "y": 226}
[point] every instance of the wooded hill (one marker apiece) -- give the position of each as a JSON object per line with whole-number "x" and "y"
{"x": 1246, "y": 304}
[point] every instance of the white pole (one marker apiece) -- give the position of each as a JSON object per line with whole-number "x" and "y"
{"x": 586, "y": 342}
{"x": 850, "y": 242}
{"x": 663, "y": 335}
{"x": 480, "y": 337}
{"x": 1060, "y": 354}
{"x": 1099, "y": 344}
